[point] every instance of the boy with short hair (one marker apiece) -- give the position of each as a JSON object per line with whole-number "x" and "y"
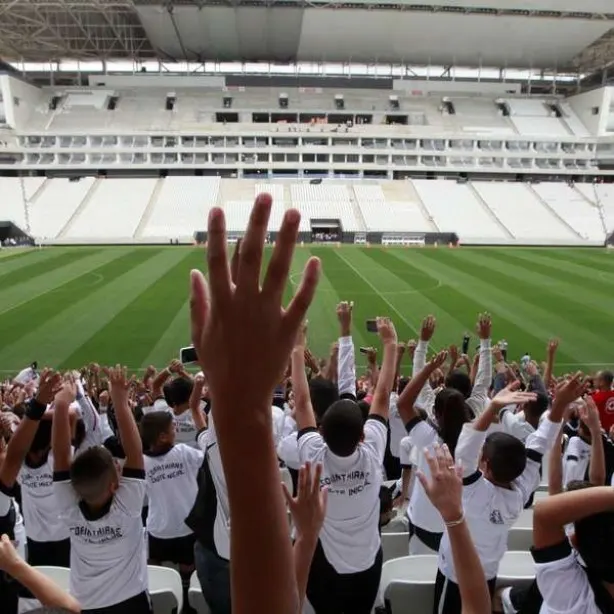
{"x": 171, "y": 472}
{"x": 102, "y": 510}
{"x": 346, "y": 568}
{"x": 500, "y": 475}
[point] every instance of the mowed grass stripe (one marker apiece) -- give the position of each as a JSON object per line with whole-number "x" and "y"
{"x": 14, "y": 254}
{"x": 42, "y": 308}
{"x": 412, "y": 293}
{"x": 31, "y": 257}
{"x": 19, "y": 295}
{"x": 36, "y": 269}
{"x": 465, "y": 309}
{"x": 137, "y": 327}
{"x": 322, "y": 315}
{"x": 472, "y": 282}
{"x": 599, "y": 296}
{"x": 547, "y": 292}
{"x": 349, "y": 285}
{"x": 569, "y": 264}
{"x": 598, "y": 260}
{"x": 53, "y": 342}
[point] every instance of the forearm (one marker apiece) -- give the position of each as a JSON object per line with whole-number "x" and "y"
{"x": 130, "y": 436}
{"x": 20, "y": 443}
{"x": 346, "y": 380}
{"x": 198, "y": 417}
{"x": 405, "y": 480}
{"x": 304, "y": 547}
{"x": 596, "y": 470}
{"x": 159, "y": 380}
{"x": 385, "y": 381}
{"x": 553, "y": 513}
{"x": 262, "y": 563}
{"x": 61, "y": 438}
{"x": 485, "y": 419}
{"x": 302, "y": 401}
{"x": 475, "y": 596}
{"x": 410, "y": 394}
{"x": 549, "y": 369}
{"x": 555, "y": 466}
{"x": 43, "y": 588}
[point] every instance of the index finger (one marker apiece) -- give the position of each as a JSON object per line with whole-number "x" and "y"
{"x": 217, "y": 259}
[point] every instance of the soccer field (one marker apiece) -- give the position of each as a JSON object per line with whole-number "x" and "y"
{"x": 66, "y": 306}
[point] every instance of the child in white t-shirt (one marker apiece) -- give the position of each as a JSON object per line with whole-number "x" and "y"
{"x": 171, "y": 472}
{"x": 101, "y": 508}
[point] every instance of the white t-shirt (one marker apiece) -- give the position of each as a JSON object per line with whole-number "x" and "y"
{"x": 108, "y": 563}
{"x": 406, "y": 452}
{"x": 492, "y": 510}
{"x": 350, "y": 535}
{"x": 40, "y": 506}
{"x": 207, "y": 442}
{"x": 576, "y": 460}
{"x": 397, "y": 428}
{"x": 421, "y": 512}
{"x": 563, "y": 583}
{"x": 171, "y": 489}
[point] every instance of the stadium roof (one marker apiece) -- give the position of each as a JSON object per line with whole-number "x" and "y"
{"x": 552, "y": 34}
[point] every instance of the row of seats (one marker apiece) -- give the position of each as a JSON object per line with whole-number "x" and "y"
{"x": 159, "y": 209}
{"x": 147, "y": 110}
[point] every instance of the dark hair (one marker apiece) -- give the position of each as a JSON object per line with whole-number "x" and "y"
{"x": 403, "y": 381}
{"x": 538, "y": 407}
{"x": 42, "y": 438}
{"x": 365, "y": 408}
{"x": 385, "y": 500}
{"x": 578, "y": 485}
{"x": 607, "y": 377}
{"x": 80, "y": 434}
{"x": 595, "y": 544}
{"x": 91, "y": 472}
{"x": 49, "y": 610}
{"x": 323, "y": 394}
{"x": 450, "y": 411}
{"x": 506, "y": 456}
{"x": 178, "y": 391}
{"x": 342, "y": 427}
{"x": 153, "y": 425}
{"x": 460, "y": 381}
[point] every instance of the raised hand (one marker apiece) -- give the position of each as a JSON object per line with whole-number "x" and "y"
{"x": 553, "y": 346}
{"x": 50, "y": 383}
{"x": 344, "y": 315}
{"x": 484, "y": 326}
{"x": 386, "y": 330}
{"x": 119, "y": 385}
{"x": 445, "y": 487}
{"x": 234, "y": 324}
{"x": 9, "y": 557}
{"x": 568, "y": 391}
{"x": 453, "y": 354}
{"x": 589, "y": 414}
{"x": 428, "y": 328}
{"x": 438, "y": 360}
{"x": 68, "y": 392}
{"x": 176, "y": 366}
{"x": 309, "y": 507}
{"x": 509, "y": 396}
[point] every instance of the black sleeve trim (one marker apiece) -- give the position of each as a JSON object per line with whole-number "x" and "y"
{"x": 550, "y": 554}
{"x": 534, "y": 455}
{"x": 571, "y": 457}
{"x": 61, "y": 476}
{"x": 378, "y": 418}
{"x": 307, "y": 429}
{"x": 406, "y": 466}
{"x": 8, "y": 491}
{"x": 412, "y": 423}
{"x": 137, "y": 474}
{"x": 472, "y": 479}
{"x": 203, "y": 430}
{"x": 35, "y": 410}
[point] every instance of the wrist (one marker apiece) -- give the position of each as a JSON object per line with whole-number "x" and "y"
{"x": 452, "y": 515}
{"x": 346, "y": 331}
{"x": 35, "y": 409}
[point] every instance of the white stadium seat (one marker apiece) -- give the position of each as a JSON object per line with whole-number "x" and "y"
{"x": 409, "y": 580}
{"x": 516, "y": 569}
{"x": 60, "y": 575}
{"x": 395, "y": 545}
{"x": 165, "y": 589}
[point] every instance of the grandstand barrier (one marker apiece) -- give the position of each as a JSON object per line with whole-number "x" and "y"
{"x": 11, "y": 234}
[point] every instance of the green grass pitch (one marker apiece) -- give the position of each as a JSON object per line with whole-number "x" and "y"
{"x": 66, "y": 306}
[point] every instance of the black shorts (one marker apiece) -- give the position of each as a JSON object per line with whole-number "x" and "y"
{"x": 56, "y": 554}
{"x": 139, "y": 604}
{"x": 179, "y": 550}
